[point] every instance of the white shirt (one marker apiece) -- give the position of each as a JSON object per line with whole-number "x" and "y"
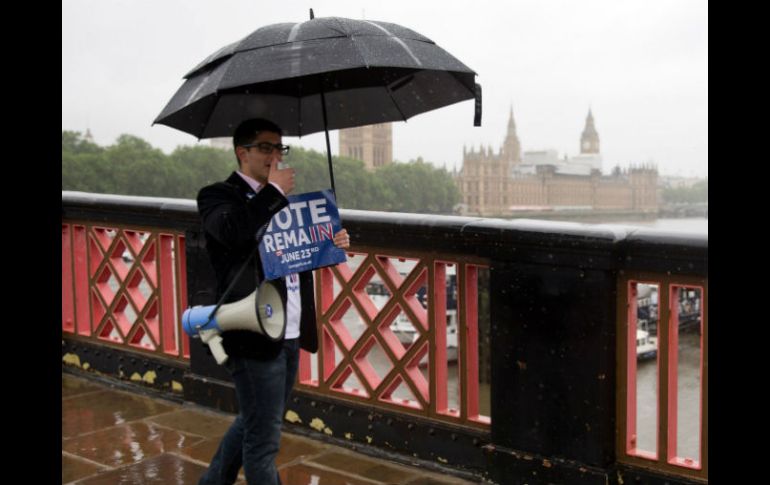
{"x": 293, "y": 300}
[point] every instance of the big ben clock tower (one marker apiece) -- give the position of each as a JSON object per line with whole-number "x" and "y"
{"x": 589, "y": 142}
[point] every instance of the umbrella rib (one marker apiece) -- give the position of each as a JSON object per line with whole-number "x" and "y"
{"x": 341, "y": 28}
{"x": 363, "y": 58}
{"x": 398, "y": 41}
{"x": 384, "y": 83}
{"x": 208, "y": 118}
{"x": 390, "y": 93}
{"x": 293, "y": 32}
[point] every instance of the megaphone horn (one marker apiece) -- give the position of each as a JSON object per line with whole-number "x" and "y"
{"x": 262, "y": 311}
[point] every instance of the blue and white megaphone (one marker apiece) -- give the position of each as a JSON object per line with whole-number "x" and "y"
{"x": 262, "y": 312}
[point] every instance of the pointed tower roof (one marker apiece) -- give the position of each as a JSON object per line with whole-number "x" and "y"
{"x": 511, "y": 145}
{"x": 511, "y": 123}
{"x": 590, "y": 129}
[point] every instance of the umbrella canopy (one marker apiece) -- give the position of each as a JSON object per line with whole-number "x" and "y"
{"x": 325, "y": 73}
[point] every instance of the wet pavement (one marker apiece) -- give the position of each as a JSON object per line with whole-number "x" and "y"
{"x": 111, "y": 436}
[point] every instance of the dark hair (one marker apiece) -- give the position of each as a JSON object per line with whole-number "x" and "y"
{"x": 248, "y": 131}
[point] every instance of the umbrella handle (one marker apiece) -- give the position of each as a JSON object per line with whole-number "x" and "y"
{"x": 477, "y": 113}
{"x": 328, "y": 146}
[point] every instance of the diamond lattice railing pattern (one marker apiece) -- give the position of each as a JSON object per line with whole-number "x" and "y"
{"x": 391, "y": 338}
{"x": 398, "y": 332}
{"x": 124, "y": 286}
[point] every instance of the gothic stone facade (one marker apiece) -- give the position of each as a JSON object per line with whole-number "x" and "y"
{"x": 372, "y": 143}
{"x": 495, "y": 184}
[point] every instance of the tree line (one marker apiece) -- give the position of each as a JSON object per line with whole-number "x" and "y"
{"x": 132, "y": 166}
{"x": 698, "y": 193}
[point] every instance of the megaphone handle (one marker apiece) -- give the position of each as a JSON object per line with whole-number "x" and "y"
{"x": 214, "y": 341}
{"x": 211, "y": 337}
{"x": 217, "y": 350}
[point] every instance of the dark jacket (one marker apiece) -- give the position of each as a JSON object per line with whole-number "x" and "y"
{"x": 231, "y": 214}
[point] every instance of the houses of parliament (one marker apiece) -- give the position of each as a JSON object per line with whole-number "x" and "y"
{"x": 508, "y": 182}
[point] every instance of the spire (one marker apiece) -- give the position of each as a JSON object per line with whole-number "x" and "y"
{"x": 590, "y": 128}
{"x": 511, "y": 123}
{"x": 511, "y": 145}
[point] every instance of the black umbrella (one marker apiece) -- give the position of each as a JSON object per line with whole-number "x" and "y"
{"x": 325, "y": 73}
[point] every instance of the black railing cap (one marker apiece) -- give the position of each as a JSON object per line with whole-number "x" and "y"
{"x": 129, "y": 209}
{"x": 610, "y": 233}
{"x": 524, "y": 240}
{"x": 608, "y": 246}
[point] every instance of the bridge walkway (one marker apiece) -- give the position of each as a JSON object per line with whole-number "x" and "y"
{"x": 112, "y": 436}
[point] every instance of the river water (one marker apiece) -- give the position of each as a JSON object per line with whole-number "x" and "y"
{"x": 688, "y": 398}
{"x": 692, "y": 225}
{"x": 688, "y": 390}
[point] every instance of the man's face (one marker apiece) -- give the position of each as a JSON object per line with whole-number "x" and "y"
{"x": 256, "y": 164}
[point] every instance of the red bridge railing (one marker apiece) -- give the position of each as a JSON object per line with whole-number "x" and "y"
{"x": 662, "y": 404}
{"x": 363, "y": 359}
{"x": 505, "y": 348}
{"x": 125, "y": 286}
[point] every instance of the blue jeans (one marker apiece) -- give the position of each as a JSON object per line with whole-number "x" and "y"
{"x": 263, "y": 388}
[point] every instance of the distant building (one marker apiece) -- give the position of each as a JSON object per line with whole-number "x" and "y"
{"x": 225, "y": 143}
{"x": 502, "y": 183}
{"x": 373, "y": 144}
{"x": 589, "y": 141}
{"x": 679, "y": 182}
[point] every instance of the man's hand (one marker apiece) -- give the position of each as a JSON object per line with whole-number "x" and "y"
{"x": 284, "y": 178}
{"x": 341, "y": 239}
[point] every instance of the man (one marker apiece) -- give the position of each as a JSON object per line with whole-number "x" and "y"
{"x": 263, "y": 371}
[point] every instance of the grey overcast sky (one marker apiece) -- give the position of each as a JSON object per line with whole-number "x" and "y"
{"x": 641, "y": 66}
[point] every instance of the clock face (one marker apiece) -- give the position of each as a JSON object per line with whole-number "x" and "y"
{"x": 586, "y": 144}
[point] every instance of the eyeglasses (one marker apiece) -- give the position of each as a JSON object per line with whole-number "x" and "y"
{"x": 267, "y": 148}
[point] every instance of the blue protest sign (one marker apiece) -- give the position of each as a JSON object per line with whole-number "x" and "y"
{"x": 300, "y": 237}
